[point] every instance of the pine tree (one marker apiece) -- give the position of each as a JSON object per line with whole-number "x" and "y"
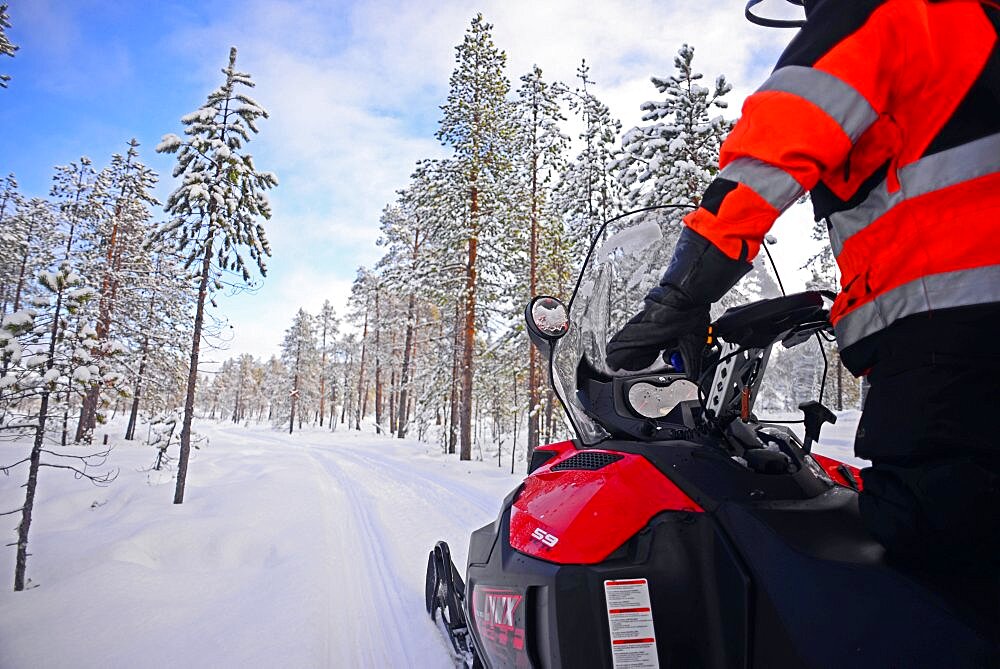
{"x": 47, "y": 357}
{"x": 675, "y": 158}
{"x": 543, "y": 144}
{"x": 76, "y": 189}
{"x": 476, "y": 124}
{"x": 6, "y": 47}
{"x": 328, "y": 325}
{"x": 216, "y": 209}
{"x": 590, "y": 191}
{"x": 421, "y": 234}
{"x": 123, "y": 197}
{"x": 14, "y": 240}
{"x": 363, "y": 301}
{"x": 158, "y": 329}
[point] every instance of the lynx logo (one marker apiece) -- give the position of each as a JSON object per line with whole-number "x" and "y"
{"x": 546, "y": 538}
{"x": 499, "y": 623}
{"x": 499, "y": 609}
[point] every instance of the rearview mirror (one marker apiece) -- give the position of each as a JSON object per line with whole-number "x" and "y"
{"x": 547, "y": 318}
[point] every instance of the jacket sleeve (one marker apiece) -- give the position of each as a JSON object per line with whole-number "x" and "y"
{"x": 830, "y": 86}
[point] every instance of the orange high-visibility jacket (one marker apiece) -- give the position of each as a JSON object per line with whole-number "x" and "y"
{"x": 888, "y": 112}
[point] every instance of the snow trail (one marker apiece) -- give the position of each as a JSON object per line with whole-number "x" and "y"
{"x": 303, "y": 550}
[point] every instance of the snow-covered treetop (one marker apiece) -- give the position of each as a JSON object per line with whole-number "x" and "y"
{"x": 6, "y": 47}
{"x": 675, "y": 157}
{"x": 222, "y": 195}
{"x": 476, "y": 116}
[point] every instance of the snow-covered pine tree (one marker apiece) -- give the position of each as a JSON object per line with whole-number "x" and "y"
{"x": 74, "y": 191}
{"x": 676, "y": 156}
{"x": 590, "y": 191}
{"x": 14, "y": 239}
{"x": 275, "y": 388}
{"x": 437, "y": 201}
{"x": 216, "y": 210}
{"x": 328, "y": 326}
{"x": 477, "y": 124}
{"x": 543, "y": 146}
{"x": 299, "y": 353}
{"x": 157, "y": 326}
{"x": 29, "y": 246}
{"x": 49, "y": 359}
{"x": 6, "y": 47}
{"x": 424, "y": 269}
{"x": 363, "y": 313}
{"x": 123, "y": 198}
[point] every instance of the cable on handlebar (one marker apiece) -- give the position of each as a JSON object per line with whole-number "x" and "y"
{"x": 774, "y": 267}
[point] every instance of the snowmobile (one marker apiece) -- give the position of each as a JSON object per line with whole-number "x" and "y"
{"x": 679, "y": 529}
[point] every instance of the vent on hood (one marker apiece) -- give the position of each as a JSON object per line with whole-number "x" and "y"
{"x": 586, "y": 461}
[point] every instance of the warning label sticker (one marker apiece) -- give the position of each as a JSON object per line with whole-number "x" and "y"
{"x": 630, "y": 617}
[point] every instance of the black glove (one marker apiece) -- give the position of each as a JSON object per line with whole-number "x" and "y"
{"x": 675, "y": 317}
{"x": 659, "y": 327}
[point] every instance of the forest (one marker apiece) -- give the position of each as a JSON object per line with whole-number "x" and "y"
{"x": 107, "y": 295}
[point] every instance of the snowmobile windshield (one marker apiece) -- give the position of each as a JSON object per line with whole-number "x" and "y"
{"x": 628, "y": 259}
{"x": 626, "y": 263}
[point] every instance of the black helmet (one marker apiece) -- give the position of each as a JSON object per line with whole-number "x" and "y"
{"x": 773, "y": 23}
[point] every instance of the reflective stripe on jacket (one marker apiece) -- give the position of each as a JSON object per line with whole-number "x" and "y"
{"x": 888, "y": 112}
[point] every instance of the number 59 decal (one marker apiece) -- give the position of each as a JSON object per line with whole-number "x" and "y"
{"x": 546, "y": 538}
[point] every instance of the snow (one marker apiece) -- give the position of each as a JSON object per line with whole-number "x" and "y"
{"x": 300, "y": 551}
{"x": 169, "y": 142}
{"x": 16, "y": 319}
{"x": 303, "y": 550}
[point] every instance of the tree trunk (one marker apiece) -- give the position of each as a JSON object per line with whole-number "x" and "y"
{"x": 21, "y": 563}
{"x": 404, "y": 377}
{"x": 361, "y": 375}
{"x": 392, "y": 401}
{"x": 468, "y": 371}
{"x": 295, "y": 397}
{"x": 533, "y": 397}
{"x": 192, "y": 380}
{"x": 378, "y": 365}
{"x": 34, "y": 462}
{"x": 347, "y": 395}
{"x": 295, "y": 384}
{"x": 22, "y": 271}
{"x": 333, "y": 405}
{"x": 322, "y": 378}
{"x": 133, "y": 415}
{"x": 456, "y": 368}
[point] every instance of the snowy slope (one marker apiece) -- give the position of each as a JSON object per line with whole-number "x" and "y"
{"x": 294, "y": 551}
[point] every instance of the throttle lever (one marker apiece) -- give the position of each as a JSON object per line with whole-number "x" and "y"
{"x": 815, "y": 414}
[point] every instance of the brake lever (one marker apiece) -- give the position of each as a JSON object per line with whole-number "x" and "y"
{"x": 802, "y": 332}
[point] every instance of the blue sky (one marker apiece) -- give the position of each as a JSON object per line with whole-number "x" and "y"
{"x": 353, "y": 89}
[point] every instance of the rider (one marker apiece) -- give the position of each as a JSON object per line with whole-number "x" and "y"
{"x": 888, "y": 113}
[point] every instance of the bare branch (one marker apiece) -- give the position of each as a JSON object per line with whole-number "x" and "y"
{"x": 6, "y": 468}
{"x": 97, "y": 479}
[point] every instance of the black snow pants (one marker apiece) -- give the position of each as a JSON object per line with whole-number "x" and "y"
{"x": 931, "y": 427}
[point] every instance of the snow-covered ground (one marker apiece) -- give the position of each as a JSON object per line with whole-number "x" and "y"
{"x": 306, "y": 550}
